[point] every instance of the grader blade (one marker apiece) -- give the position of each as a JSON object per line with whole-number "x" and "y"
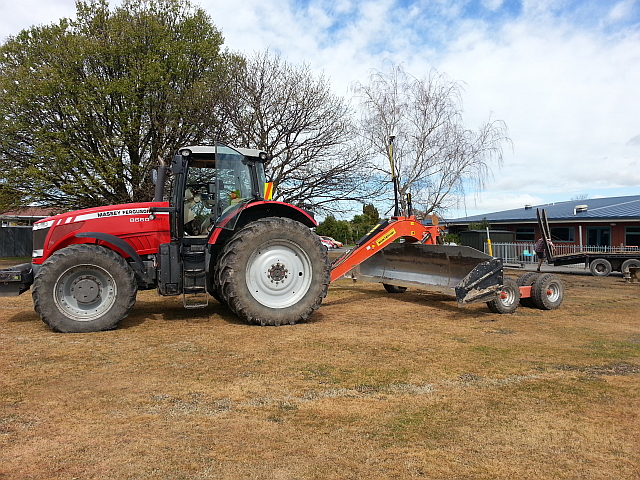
{"x": 468, "y": 274}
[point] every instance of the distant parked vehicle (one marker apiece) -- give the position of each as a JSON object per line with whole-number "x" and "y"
{"x": 327, "y": 244}
{"x": 336, "y": 243}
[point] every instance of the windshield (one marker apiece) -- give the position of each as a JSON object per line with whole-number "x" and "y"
{"x": 218, "y": 185}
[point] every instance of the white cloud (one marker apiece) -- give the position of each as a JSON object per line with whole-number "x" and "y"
{"x": 563, "y": 75}
{"x": 19, "y": 15}
{"x": 621, "y": 11}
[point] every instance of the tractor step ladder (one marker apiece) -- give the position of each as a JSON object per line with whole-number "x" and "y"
{"x": 194, "y": 293}
{"x": 194, "y": 278}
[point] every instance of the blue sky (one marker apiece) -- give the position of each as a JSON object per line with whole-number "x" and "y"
{"x": 563, "y": 74}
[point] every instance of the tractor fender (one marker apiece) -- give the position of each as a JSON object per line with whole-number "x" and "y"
{"x": 138, "y": 266}
{"x": 264, "y": 209}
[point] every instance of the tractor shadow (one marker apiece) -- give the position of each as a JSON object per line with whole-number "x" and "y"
{"x": 172, "y": 310}
{"x": 24, "y": 316}
{"x": 414, "y": 297}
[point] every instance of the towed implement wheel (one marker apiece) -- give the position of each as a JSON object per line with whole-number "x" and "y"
{"x": 84, "y": 288}
{"x": 507, "y": 299}
{"x": 547, "y": 292}
{"x": 526, "y": 280}
{"x": 273, "y": 271}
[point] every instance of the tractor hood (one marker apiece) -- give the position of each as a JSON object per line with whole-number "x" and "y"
{"x": 131, "y": 222}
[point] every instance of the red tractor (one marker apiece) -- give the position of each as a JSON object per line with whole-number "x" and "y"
{"x": 216, "y": 235}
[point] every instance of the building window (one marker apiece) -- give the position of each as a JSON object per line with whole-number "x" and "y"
{"x": 525, "y": 234}
{"x": 632, "y": 236}
{"x": 562, "y": 234}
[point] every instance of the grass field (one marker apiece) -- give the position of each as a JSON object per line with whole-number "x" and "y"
{"x": 374, "y": 386}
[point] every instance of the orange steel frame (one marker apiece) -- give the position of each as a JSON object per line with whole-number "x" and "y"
{"x": 408, "y": 228}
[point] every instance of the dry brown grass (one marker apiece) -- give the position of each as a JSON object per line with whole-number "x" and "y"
{"x": 376, "y": 386}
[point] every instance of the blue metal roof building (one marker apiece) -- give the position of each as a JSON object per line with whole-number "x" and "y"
{"x": 600, "y": 221}
{"x": 612, "y": 208}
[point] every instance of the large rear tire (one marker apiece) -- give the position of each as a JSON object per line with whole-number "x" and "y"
{"x": 507, "y": 299}
{"x": 84, "y": 288}
{"x": 273, "y": 271}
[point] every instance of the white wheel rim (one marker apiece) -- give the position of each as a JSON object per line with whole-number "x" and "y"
{"x": 85, "y": 292}
{"x": 553, "y": 292}
{"x": 507, "y": 296}
{"x": 279, "y": 274}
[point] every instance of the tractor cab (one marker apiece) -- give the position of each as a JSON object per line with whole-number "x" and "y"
{"x": 211, "y": 185}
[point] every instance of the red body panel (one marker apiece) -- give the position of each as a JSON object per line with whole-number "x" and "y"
{"x": 285, "y": 209}
{"x": 131, "y": 222}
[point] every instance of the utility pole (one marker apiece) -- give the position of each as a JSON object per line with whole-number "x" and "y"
{"x": 396, "y": 209}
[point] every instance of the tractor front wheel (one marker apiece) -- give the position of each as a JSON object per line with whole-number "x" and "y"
{"x": 84, "y": 288}
{"x": 273, "y": 271}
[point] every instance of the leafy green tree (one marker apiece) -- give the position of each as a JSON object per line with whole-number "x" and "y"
{"x": 328, "y": 227}
{"x": 88, "y": 106}
{"x": 344, "y": 232}
{"x": 340, "y": 230}
{"x": 481, "y": 225}
{"x": 372, "y": 212}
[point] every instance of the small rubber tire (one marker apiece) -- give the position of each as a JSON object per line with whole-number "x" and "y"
{"x": 394, "y": 288}
{"x": 508, "y": 298}
{"x": 273, "y": 271}
{"x": 547, "y": 292}
{"x": 526, "y": 280}
{"x": 631, "y": 262}
{"x": 600, "y": 267}
{"x": 84, "y": 288}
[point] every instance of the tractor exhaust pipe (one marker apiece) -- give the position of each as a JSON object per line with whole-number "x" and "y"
{"x": 158, "y": 177}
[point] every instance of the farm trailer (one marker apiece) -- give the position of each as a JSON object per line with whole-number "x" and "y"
{"x": 600, "y": 264}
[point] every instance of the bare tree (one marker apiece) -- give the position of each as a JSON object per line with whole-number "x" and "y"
{"x": 309, "y": 131}
{"x": 435, "y": 155}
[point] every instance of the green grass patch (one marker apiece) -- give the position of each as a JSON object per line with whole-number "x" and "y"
{"x": 612, "y": 349}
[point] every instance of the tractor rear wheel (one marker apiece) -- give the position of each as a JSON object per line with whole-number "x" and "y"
{"x": 84, "y": 288}
{"x": 508, "y": 298}
{"x": 273, "y": 271}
